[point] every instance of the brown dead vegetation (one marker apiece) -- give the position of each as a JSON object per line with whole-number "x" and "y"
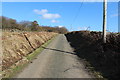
{"x": 105, "y": 58}
{"x": 16, "y": 46}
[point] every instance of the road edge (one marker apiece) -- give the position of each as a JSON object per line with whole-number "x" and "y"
{"x": 14, "y": 70}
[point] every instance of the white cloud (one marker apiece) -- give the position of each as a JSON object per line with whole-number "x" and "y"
{"x": 82, "y": 28}
{"x": 54, "y": 21}
{"x": 60, "y": 26}
{"x": 50, "y": 16}
{"x": 45, "y": 15}
{"x": 114, "y": 15}
{"x": 41, "y": 12}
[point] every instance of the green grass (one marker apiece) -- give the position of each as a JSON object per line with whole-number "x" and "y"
{"x": 15, "y": 70}
{"x": 37, "y": 51}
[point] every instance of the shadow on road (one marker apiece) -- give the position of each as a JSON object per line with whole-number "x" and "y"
{"x": 58, "y": 50}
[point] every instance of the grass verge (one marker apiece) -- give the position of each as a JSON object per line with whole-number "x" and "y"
{"x": 13, "y": 71}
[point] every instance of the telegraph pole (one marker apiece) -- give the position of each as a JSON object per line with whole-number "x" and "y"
{"x": 104, "y": 20}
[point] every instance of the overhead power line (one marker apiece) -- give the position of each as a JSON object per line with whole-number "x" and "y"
{"x": 77, "y": 14}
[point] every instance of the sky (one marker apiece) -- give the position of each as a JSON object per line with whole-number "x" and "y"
{"x": 58, "y": 0}
{"x": 73, "y": 15}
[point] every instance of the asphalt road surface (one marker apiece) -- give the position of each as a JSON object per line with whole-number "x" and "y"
{"x": 57, "y": 60}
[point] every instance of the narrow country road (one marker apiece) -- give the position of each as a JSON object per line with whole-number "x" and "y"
{"x": 56, "y": 61}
